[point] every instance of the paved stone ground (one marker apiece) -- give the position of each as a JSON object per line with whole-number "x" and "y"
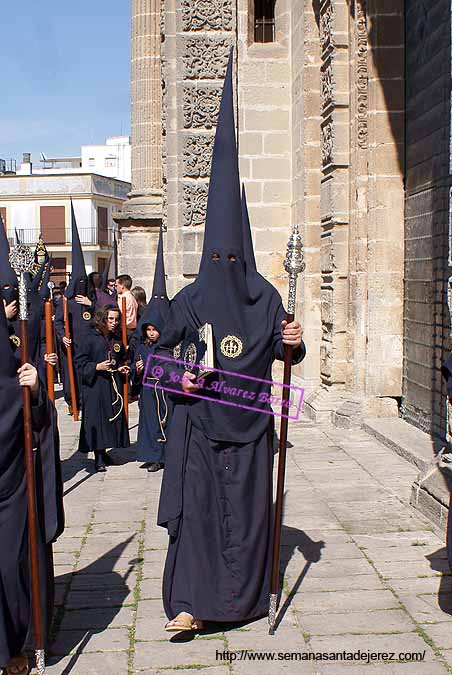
{"x": 362, "y": 570}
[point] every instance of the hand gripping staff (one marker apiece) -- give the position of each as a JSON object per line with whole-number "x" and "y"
{"x": 22, "y": 260}
{"x": 293, "y": 264}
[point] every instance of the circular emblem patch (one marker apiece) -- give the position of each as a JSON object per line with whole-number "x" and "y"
{"x": 15, "y": 339}
{"x": 117, "y": 347}
{"x": 231, "y": 346}
{"x": 86, "y": 316}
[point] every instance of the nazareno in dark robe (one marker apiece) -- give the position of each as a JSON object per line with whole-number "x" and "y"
{"x": 80, "y": 318}
{"x": 155, "y": 408}
{"x": 216, "y": 497}
{"x": 104, "y": 423}
{"x": 15, "y": 591}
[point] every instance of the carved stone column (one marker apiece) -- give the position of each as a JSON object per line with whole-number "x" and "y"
{"x": 145, "y": 205}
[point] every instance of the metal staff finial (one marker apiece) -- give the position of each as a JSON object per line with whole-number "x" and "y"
{"x": 22, "y": 260}
{"x": 294, "y": 264}
{"x": 51, "y": 286}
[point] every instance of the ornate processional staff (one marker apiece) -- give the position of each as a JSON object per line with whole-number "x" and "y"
{"x": 48, "y": 306}
{"x": 293, "y": 265}
{"x": 22, "y": 260}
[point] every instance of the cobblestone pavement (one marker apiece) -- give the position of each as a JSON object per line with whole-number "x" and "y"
{"x": 362, "y": 570}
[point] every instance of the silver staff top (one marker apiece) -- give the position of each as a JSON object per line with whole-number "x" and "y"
{"x": 294, "y": 261}
{"x": 22, "y": 260}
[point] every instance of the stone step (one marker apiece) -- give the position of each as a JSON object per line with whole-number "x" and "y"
{"x": 407, "y": 441}
{"x": 430, "y": 491}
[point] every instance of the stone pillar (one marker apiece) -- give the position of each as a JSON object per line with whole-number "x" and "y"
{"x": 198, "y": 38}
{"x": 144, "y": 208}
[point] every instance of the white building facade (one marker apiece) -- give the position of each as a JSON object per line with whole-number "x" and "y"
{"x": 37, "y": 204}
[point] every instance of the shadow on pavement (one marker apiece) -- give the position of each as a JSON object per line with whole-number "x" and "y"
{"x": 439, "y": 562}
{"x": 105, "y": 595}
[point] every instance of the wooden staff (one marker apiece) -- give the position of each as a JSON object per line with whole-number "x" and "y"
{"x": 49, "y": 349}
{"x": 22, "y": 260}
{"x": 293, "y": 265}
{"x": 124, "y": 342}
{"x": 70, "y": 361}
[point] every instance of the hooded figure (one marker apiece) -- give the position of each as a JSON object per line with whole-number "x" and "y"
{"x": 154, "y": 404}
{"x": 158, "y": 302}
{"x": 15, "y": 591}
{"x": 216, "y": 498}
{"x": 104, "y": 424}
{"x": 80, "y": 314}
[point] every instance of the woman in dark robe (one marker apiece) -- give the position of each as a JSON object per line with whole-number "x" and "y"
{"x": 216, "y": 498}
{"x": 15, "y": 591}
{"x": 100, "y": 362}
{"x": 150, "y": 445}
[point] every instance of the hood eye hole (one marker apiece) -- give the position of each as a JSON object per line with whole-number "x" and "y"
{"x": 232, "y": 257}
{"x": 215, "y": 256}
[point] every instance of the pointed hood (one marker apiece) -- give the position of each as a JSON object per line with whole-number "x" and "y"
{"x": 115, "y": 254}
{"x": 248, "y": 250}
{"x": 158, "y": 302}
{"x": 18, "y": 241}
{"x": 257, "y": 284}
{"x": 159, "y": 285}
{"x": 242, "y": 313}
{"x": 223, "y": 229}
{"x": 106, "y": 273}
{"x": 78, "y": 284}
{"x": 8, "y": 278}
{"x": 159, "y": 298}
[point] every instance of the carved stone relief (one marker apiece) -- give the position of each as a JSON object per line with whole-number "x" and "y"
{"x": 362, "y": 74}
{"x": 205, "y": 58}
{"x": 327, "y": 86}
{"x": 202, "y": 15}
{"x": 201, "y": 106}
{"x": 197, "y": 155}
{"x": 195, "y": 203}
{"x": 327, "y": 143}
{"x": 326, "y": 25}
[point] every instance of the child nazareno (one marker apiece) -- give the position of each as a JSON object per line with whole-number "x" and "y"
{"x": 154, "y": 408}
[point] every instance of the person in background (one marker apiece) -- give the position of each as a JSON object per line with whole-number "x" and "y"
{"x": 139, "y": 294}
{"x": 95, "y": 282}
{"x": 123, "y": 286}
{"x": 100, "y": 362}
{"x": 111, "y": 288}
{"x": 154, "y": 409}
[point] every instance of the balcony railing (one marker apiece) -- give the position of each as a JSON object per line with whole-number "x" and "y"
{"x": 89, "y": 236}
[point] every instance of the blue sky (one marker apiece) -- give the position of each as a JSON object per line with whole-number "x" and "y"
{"x": 64, "y": 75}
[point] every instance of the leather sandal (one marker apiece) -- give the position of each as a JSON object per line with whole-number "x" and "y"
{"x": 184, "y": 622}
{"x": 18, "y": 666}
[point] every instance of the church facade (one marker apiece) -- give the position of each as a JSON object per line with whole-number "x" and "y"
{"x": 343, "y": 123}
